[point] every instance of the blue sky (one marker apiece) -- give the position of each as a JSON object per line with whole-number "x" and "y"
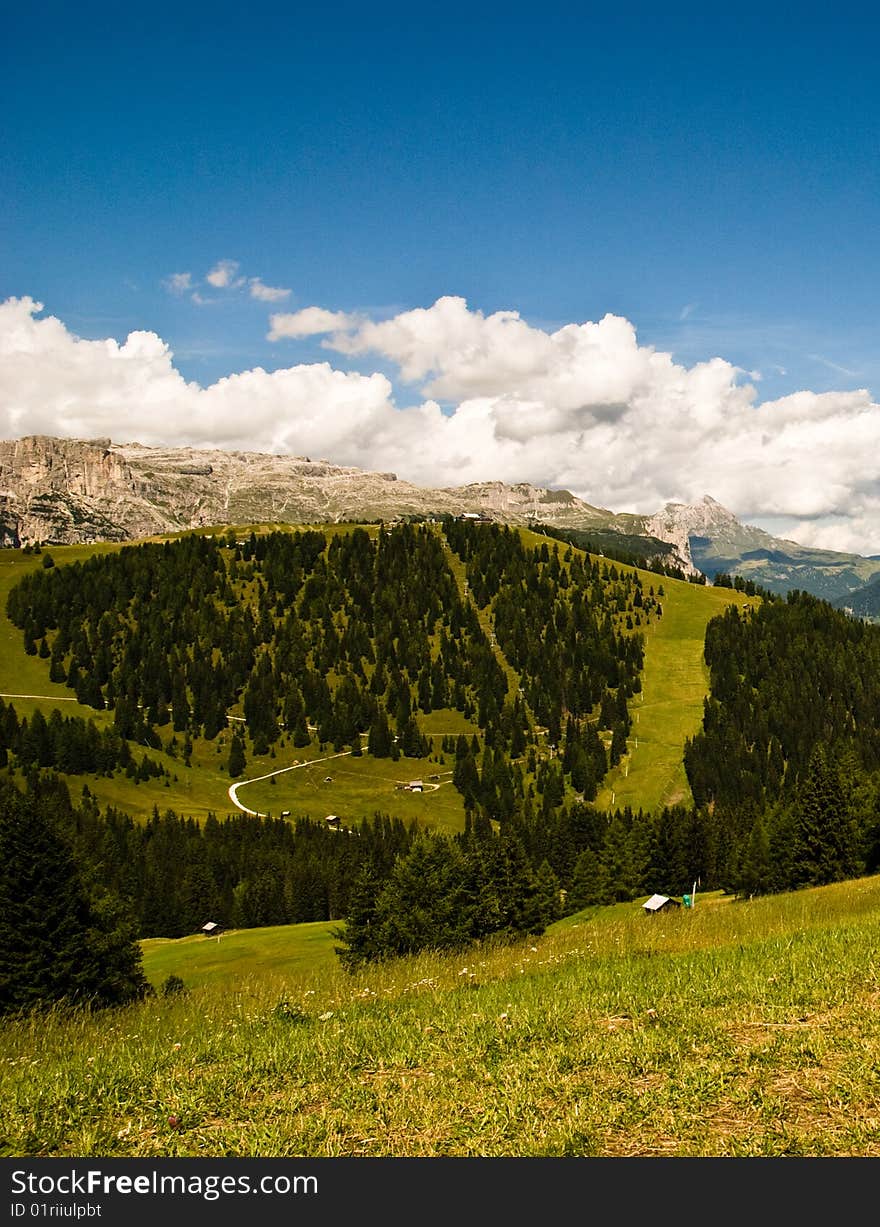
{"x": 710, "y": 176}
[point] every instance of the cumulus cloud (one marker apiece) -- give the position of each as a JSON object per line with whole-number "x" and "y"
{"x": 266, "y": 293}
{"x": 310, "y": 322}
{"x": 53, "y": 382}
{"x": 222, "y": 275}
{"x": 585, "y": 407}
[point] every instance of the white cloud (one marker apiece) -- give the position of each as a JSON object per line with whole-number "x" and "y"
{"x": 310, "y": 322}
{"x": 222, "y": 275}
{"x": 266, "y": 293}
{"x": 178, "y": 283}
{"x": 584, "y": 407}
{"x": 53, "y": 382}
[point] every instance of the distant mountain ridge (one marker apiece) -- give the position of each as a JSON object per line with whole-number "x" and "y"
{"x": 865, "y": 603}
{"x": 67, "y": 491}
{"x": 718, "y": 542}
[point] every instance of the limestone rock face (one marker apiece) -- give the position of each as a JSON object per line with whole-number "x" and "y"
{"x": 66, "y": 491}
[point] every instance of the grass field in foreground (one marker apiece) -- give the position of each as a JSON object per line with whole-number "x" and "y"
{"x": 742, "y": 1028}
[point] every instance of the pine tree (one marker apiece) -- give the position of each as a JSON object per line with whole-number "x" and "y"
{"x": 55, "y": 946}
{"x": 755, "y": 869}
{"x": 590, "y": 882}
{"x": 422, "y": 904}
{"x": 825, "y": 836}
{"x": 360, "y": 934}
{"x": 379, "y": 742}
{"x": 237, "y": 760}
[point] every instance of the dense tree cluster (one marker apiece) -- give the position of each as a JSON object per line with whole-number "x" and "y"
{"x": 60, "y": 943}
{"x": 69, "y": 744}
{"x": 788, "y": 757}
{"x": 570, "y": 628}
{"x": 785, "y": 677}
{"x": 341, "y": 636}
{"x": 174, "y": 873}
{"x": 444, "y": 894}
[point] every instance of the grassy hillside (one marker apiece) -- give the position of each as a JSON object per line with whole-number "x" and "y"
{"x": 356, "y": 787}
{"x": 651, "y": 774}
{"x": 675, "y": 682}
{"x": 744, "y": 1028}
{"x": 24, "y": 682}
{"x": 234, "y": 956}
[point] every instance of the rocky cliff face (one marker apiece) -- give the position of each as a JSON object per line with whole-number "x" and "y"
{"x": 65, "y": 491}
{"x": 717, "y": 541}
{"x": 678, "y": 523}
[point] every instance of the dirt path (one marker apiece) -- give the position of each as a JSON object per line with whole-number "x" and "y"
{"x": 47, "y": 698}
{"x": 233, "y": 788}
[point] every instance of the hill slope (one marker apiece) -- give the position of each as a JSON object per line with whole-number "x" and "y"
{"x": 669, "y": 710}
{"x": 735, "y": 1029}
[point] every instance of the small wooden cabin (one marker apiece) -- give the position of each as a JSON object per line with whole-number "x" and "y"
{"x": 659, "y": 903}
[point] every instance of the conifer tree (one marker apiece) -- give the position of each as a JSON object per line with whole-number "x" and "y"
{"x": 589, "y": 883}
{"x": 379, "y": 742}
{"x": 54, "y": 945}
{"x": 825, "y": 838}
{"x": 237, "y": 760}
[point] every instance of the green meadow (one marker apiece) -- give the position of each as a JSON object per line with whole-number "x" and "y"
{"x": 735, "y": 1029}
{"x": 233, "y": 956}
{"x": 675, "y": 681}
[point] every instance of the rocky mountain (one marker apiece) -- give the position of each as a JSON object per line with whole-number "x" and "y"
{"x": 63, "y": 491}
{"x": 718, "y": 542}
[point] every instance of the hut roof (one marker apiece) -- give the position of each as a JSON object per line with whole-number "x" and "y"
{"x": 658, "y": 902}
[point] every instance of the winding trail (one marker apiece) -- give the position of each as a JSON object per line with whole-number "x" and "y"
{"x": 233, "y": 788}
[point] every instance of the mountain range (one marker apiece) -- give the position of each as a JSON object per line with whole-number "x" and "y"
{"x": 718, "y": 543}
{"x": 67, "y": 491}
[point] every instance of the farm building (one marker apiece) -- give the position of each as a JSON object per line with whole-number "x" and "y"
{"x": 332, "y": 820}
{"x": 211, "y": 929}
{"x": 659, "y": 903}
{"x": 415, "y": 786}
